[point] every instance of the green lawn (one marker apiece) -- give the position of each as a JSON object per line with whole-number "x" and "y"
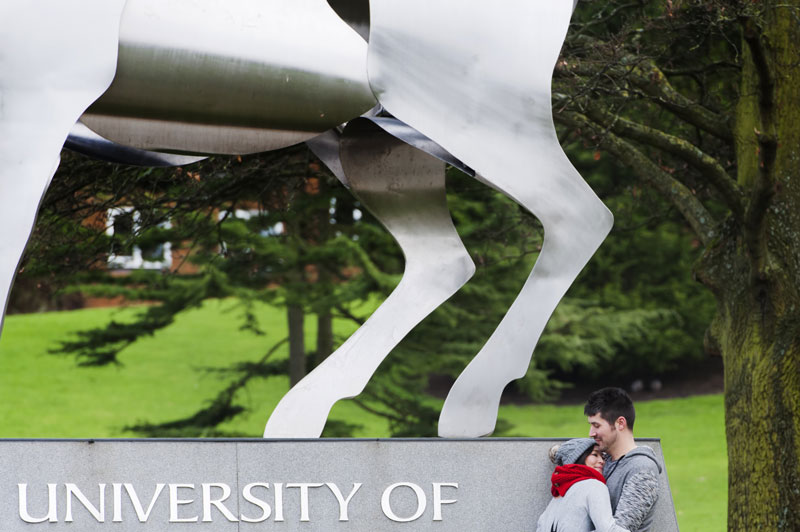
{"x": 166, "y": 377}
{"x": 160, "y": 378}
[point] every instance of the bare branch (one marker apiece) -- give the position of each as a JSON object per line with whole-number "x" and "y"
{"x": 673, "y": 190}
{"x": 762, "y": 190}
{"x": 652, "y": 82}
{"x": 708, "y": 166}
{"x": 701, "y": 69}
{"x": 603, "y": 18}
{"x": 766, "y": 81}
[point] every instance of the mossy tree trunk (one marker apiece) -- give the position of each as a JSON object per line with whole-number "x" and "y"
{"x": 324, "y": 335}
{"x": 757, "y": 330}
{"x": 753, "y": 268}
{"x": 702, "y": 101}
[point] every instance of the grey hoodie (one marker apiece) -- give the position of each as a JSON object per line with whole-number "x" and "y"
{"x": 633, "y": 486}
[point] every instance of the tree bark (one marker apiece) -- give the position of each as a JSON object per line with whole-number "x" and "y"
{"x": 324, "y": 335}
{"x": 751, "y": 261}
{"x": 753, "y": 268}
{"x": 297, "y": 348}
{"x": 758, "y": 333}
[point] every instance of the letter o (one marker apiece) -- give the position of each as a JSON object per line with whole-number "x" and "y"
{"x": 386, "y": 505}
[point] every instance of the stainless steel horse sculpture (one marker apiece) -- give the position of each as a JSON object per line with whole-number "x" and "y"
{"x": 466, "y": 81}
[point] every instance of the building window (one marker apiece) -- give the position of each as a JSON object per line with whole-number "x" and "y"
{"x": 122, "y": 225}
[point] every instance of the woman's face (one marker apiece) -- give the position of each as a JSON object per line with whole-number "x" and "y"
{"x": 595, "y": 460}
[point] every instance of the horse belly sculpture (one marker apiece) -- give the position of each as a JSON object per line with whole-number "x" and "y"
{"x": 231, "y": 77}
{"x": 207, "y": 76}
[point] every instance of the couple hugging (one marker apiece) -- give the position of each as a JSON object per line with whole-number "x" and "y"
{"x": 604, "y": 482}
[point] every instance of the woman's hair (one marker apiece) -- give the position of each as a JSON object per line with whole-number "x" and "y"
{"x": 582, "y": 458}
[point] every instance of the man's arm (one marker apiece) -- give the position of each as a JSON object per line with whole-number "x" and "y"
{"x": 639, "y": 494}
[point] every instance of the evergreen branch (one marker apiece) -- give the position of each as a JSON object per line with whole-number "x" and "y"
{"x": 406, "y": 413}
{"x": 374, "y": 411}
{"x": 219, "y": 409}
{"x": 673, "y": 190}
{"x": 349, "y": 315}
{"x": 386, "y": 282}
{"x": 102, "y": 345}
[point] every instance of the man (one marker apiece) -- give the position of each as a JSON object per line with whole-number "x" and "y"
{"x": 631, "y": 472}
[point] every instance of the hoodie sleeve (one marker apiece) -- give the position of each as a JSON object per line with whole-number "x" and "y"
{"x": 639, "y": 494}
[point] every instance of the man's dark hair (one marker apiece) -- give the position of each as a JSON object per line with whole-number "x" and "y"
{"x": 611, "y": 404}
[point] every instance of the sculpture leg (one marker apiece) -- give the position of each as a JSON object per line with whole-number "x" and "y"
{"x": 483, "y": 94}
{"x": 404, "y": 189}
{"x": 56, "y": 58}
{"x": 574, "y": 227}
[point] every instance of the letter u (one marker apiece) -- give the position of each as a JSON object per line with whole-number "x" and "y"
{"x": 52, "y": 510}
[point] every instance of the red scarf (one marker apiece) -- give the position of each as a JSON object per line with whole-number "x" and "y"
{"x": 567, "y": 475}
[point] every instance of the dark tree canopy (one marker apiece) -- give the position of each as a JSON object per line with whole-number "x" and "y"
{"x": 701, "y": 101}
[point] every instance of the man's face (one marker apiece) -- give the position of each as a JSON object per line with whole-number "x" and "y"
{"x": 602, "y": 432}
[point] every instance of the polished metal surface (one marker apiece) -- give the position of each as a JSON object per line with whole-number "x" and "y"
{"x": 411, "y": 136}
{"x": 50, "y": 72}
{"x": 404, "y": 189}
{"x": 239, "y": 76}
{"x": 83, "y": 140}
{"x": 326, "y": 147}
{"x": 355, "y": 13}
{"x": 231, "y": 76}
{"x": 483, "y": 93}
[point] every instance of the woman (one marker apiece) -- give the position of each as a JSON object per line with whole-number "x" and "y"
{"x": 580, "y": 497}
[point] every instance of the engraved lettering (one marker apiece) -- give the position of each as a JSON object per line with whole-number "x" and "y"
{"x": 387, "y": 507}
{"x": 247, "y": 494}
{"x": 141, "y": 514}
{"x": 304, "y": 497}
{"x": 278, "y": 501}
{"x": 208, "y": 502}
{"x": 117, "y": 487}
{"x": 174, "y": 502}
{"x": 97, "y": 513}
{"x": 343, "y": 503}
{"x": 52, "y": 508}
{"x": 437, "y": 498}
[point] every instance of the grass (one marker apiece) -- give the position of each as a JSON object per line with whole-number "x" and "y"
{"x": 167, "y": 376}
{"x": 159, "y": 378}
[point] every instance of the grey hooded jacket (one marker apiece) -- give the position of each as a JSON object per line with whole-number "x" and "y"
{"x": 633, "y": 486}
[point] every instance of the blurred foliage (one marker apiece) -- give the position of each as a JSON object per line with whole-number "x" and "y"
{"x": 632, "y": 313}
{"x": 656, "y": 313}
{"x": 277, "y": 228}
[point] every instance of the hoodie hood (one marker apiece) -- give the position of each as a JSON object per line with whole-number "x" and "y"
{"x": 645, "y": 452}
{"x": 641, "y": 458}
